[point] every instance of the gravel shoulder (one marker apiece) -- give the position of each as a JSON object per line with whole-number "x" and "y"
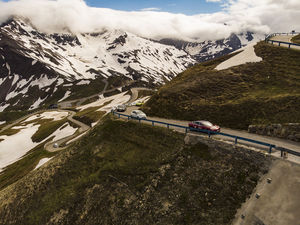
{"x": 279, "y": 201}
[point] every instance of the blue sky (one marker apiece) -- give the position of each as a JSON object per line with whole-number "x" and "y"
{"x": 189, "y": 7}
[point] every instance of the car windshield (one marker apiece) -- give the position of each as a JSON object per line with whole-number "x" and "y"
{"x": 206, "y": 123}
{"x": 139, "y": 112}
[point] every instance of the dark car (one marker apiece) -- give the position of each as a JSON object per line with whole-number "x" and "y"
{"x": 121, "y": 108}
{"x": 53, "y": 106}
{"x": 204, "y": 125}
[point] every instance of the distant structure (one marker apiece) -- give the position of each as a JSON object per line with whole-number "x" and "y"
{"x": 53, "y": 106}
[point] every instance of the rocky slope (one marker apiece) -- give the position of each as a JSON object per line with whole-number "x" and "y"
{"x": 127, "y": 173}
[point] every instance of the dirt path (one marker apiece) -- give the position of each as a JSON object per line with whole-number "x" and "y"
{"x": 279, "y": 201}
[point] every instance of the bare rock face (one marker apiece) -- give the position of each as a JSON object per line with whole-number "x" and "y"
{"x": 290, "y": 131}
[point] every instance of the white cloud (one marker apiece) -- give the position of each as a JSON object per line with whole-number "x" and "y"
{"x": 213, "y": 0}
{"x": 151, "y": 9}
{"x": 260, "y": 16}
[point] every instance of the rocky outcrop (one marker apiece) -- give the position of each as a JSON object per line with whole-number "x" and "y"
{"x": 290, "y": 131}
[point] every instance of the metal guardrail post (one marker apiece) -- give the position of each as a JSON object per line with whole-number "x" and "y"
{"x": 153, "y": 123}
{"x": 168, "y": 126}
{"x": 270, "y": 149}
{"x": 236, "y": 140}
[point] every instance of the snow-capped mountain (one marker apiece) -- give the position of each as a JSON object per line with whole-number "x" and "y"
{"x": 206, "y": 50}
{"x": 38, "y": 68}
{"x": 35, "y": 67}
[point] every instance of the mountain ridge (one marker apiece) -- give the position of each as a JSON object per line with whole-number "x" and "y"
{"x": 38, "y": 69}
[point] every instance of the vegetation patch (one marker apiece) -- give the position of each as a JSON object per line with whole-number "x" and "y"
{"x": 144, "y": 93}
{"x": 89, "y": 115}
{"x": 130, "y": 173}
{"x": 13, "y": 115}
{"x": 90, "y": 100}
{"x": 81, "y": 91}
{"x": 47, "y": 127}
{"x": 252, "y": 93}
{"x": 296, "y": 39}
{"x": 10, "y": 132}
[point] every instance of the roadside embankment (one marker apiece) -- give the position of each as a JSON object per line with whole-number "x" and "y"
{"x": 290, "y": 131}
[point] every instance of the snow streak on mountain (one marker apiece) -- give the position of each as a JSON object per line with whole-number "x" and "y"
{"x": 38, "y": 68}
{"x": 30, "y": 59}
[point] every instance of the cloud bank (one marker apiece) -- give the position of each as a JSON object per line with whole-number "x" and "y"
{"x": 261, "y": 16}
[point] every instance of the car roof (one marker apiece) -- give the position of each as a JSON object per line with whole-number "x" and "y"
{"x": 138, "y": 111}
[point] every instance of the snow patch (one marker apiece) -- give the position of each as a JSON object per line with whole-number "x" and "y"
{"x": 34, "y": 62}
{"x": 37, "y": 103}
{"x": 83, "y": 82}
{"x": 246, "y": 56}
{"x": 64, "y": 132}
{"x": 42, "y": 162}
{"x": 13, "y": 147}
{"x": 54, "y": 115}
{"x": 114, "y": 100}
{"x": 2, "y": 108}
{"x": 67, "y": 94}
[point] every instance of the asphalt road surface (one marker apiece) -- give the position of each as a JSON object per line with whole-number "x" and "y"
{"x": 285, "y": 38}
{"x": 271, "y": 140}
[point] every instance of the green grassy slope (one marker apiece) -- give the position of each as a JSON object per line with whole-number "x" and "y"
{"x": 264, "y": 92}
{"x": 129, "y": 173}
{"x": 296, "y": 39}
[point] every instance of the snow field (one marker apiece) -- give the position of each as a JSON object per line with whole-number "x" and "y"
{"x": 61, "y": 133}
{"x": 246, "y": 56}
{"x": 14, "y": 147}
{"x": 55, "y": 115}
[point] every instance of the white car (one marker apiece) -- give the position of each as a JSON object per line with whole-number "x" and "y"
{"x": 138, "y": 114}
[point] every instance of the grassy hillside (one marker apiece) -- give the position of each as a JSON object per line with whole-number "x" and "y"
{"x": 296, "y": 39}
{"x": 129, "y": 173}
{"x": 253, "y": 93}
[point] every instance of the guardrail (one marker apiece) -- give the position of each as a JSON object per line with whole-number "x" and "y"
{"x": 281, "y": 42}
{"x": 209, "y": 133}
{"x": 267, "y": 39}
{"x": 276, "y": 34}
